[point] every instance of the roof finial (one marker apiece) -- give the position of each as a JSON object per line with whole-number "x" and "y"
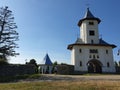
{"x": 87, "y": 4}
{"x": 88, "y": 9}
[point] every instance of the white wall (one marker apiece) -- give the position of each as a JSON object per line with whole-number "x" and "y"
{"x": 84, "y": 31}
{"x": 76, "y": 57}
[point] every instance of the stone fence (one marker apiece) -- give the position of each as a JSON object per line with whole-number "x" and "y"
{"x": 13, "y": 70}
{"x": 65, "y": 69}
{"x": 69, "y": 69}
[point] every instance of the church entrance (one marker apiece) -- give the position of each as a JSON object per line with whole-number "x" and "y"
{"x": 94, "y": 66}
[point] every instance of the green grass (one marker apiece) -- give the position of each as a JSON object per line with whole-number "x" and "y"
{"x": 62, "y": 85}
{"x": 10, "y": 84}
{"x": 4, "y": 79}
{"x": 18, "y": 77}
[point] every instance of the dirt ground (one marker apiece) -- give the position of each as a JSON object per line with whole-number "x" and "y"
{"x": 53, "y": 77}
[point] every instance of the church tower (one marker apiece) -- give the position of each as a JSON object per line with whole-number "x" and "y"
{"x": 90, "y": 53}
{"x": 89, "y": 28}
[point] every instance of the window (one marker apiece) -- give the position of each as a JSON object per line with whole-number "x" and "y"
{"x": 80, "y": 63}
{"x": 80, "y": 50}
{"x": 108, "y": 64}
{"x": 91, "y": 23}
{"x": 97, "y": 56}
{"x": 91, "y": 33}
{"x": 106, "y": 51}
{"x": 92, "y": 41}
{"x": 93, "y": 51}
{"x": 89, "y": 56}
{"x": 94, "y": 56}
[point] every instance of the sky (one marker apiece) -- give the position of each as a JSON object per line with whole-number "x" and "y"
{"x": 49, "y": 26}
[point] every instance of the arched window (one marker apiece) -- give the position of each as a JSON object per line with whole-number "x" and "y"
{"x": 80, "y": 63}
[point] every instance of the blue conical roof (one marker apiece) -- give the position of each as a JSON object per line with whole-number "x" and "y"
{"x": 46, "y": 60}
{"x": 88, "y": 16}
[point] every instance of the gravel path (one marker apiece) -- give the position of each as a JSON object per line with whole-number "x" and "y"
{"x": 83, "y": 77}
{"x": 53, "y": 77}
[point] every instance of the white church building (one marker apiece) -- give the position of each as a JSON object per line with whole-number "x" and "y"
{"x": 90, "y": 53}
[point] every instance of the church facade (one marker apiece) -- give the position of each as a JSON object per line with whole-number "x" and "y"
{"x": 90, "y": 53}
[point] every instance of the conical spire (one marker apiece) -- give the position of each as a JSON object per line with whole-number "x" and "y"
{"x": 46, "y": 60}
{"x": 88, "y": 16}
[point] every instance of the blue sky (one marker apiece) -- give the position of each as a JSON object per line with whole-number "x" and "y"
{"x": 48, "y": 26}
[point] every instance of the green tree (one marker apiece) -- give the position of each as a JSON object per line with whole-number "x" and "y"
{"x": 55, "y": 63}
{"x": 8, "y": 34}
{"x": 63, "y": 63}
{"x": 33, "y": 62}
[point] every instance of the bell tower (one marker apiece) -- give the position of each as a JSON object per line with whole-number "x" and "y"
{"x": 89, "y": 53}
{"x": 89, "y": 33}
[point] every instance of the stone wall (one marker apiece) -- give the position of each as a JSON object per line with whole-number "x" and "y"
{"x": 117, "y": 70}
{"x": 65, "y": 69}
{"x": 13, "y": 70}
{"x": 69, "y": 69}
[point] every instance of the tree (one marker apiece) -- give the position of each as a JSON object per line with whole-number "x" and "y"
{"x": 33, "y": 62}
{"x": 8, "y": 34}
{"x": 63, "y": 64}
{"x": 55, "y": 63}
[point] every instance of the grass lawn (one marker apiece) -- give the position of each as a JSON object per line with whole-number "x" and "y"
{"x": 62, "y": 85}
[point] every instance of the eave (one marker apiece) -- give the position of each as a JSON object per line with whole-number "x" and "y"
{"x": 80, "y": 22}
{"x": 70, "y": 46}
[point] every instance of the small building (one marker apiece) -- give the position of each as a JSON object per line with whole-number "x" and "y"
{"x": 90, "y": 53}
{"x": 45, "y": 67}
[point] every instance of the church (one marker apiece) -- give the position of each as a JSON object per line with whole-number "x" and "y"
{"x": 90, "y": 53}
